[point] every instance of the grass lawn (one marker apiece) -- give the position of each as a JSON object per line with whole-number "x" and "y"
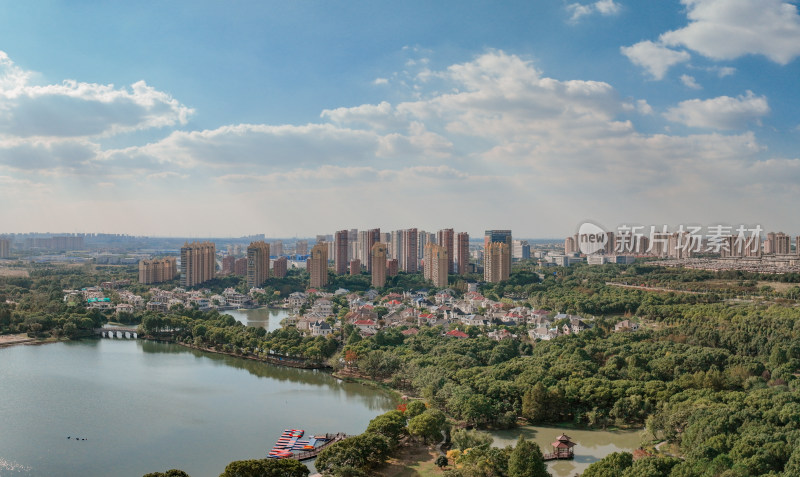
{"x": 413, "y": 461}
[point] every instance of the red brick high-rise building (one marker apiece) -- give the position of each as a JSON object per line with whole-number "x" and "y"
{"x": 341, "y": 258}
{"x": 462, "y": 252}
{"x": 280, "y": 267}
{"x": 392, "y": 267}
{"x": 355, "y": 267}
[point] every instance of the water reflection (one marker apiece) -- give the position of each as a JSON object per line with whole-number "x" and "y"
{"x": 372, "y": 399}
{"x": 268, "y": 318}
{"x": 147, "y": 406}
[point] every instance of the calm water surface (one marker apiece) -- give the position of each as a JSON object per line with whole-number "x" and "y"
{"x": 268, "y": 318}
{"x": 592, "y": 446}
{"x": 145, "y": 407}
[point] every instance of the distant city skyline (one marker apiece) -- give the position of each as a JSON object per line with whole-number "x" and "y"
{"x": 204, "y": 119}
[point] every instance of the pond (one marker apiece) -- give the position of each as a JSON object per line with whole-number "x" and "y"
{"x": 592, "y": 445}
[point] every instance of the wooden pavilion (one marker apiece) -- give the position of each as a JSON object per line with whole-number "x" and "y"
{"x": 562, "y": 448}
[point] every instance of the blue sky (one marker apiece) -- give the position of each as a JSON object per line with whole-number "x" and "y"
{"x": 298, "y": 118}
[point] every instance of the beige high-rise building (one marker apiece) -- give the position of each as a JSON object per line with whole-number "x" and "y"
{"x": 257, "y": 264}
{"x": 301, "y": 247}
{"x": 445, "y": 238}
{"x": 318, "y": 265}
{"x": 378, "y": 261}
{"x": 436, "y": 263}
{"x": 570, "y": 245}
{"x": 5, "y": 248}
{"x": 198, "y": 263}
{"x": 496, "y": 262}
{"x": 497, "y": 236}
{"x": 157, "y": 270}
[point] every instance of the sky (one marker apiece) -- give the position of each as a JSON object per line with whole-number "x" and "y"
{"x": 199, "y": 118}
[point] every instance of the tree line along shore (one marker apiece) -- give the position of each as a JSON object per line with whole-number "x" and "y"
{"x": 711, "y": 375}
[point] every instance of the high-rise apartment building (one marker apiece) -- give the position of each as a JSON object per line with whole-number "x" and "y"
{"x": 340, "y": 256}
{"x": 378, "y": 261}
{"x": 436, "y": 263}
{"x": 279, "y": 267}
{"x": 445, "y": 238}
{"x": 683, "y": 245}
{"x": 157, "y": 270}
{"x": 257, "y": 264}
{"x": 227, "y": 264}
{"x": 240, "y": 267}
{"x": 396, "y": 245}
{"x": 570, "y": 245}
{"x": 497, "y": 236}
{"x": 780, "y": 243}
{"x": 301, "y": 247}
{"x": 410, "y": 260}
{"x": 365, "y": 243}
{"x": 462, "y": 252}
{"x": 521, "y": 250}
{"x": 277, "y": 248}
{"x": 423, "y": 239}
{"x": 611, "y": 244}
{"x": 198, "y": 263}
{"x": 497, "y": 262}
{"x": 355, "y": 267}
{"x": 373, "y": 236}
{"x": 392, "y": 266}
{"x": 5, "y": 248}
{"x": 318, "y": 265}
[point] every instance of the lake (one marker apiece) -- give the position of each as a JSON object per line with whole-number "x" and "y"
{"x": 268, "y": 318}
{"x": 592, "y": 445}
{"x": 144, "y": 406}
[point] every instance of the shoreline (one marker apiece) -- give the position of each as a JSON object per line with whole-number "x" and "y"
{"x": 20, "y": 339}
{"x": 263, "y": 359}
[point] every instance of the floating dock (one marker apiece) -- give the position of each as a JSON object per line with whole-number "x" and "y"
{"x": 291, "y": 445}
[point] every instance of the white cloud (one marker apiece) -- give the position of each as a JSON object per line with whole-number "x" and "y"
{"x": 728, "y": 29}
{"x": 603, "y": 7}
{"x": 77, "y": 109}
{"x": 690, "y": 82}
{"x": 379, "y": 81}
{"x": 724, "y": 30}
{"x": 723, "y": 112}
{"x": 655, "y": 58}
{"x": 722, "y": 71}
{"x": 12, "y": 77}
{"x": 502, "y": 129}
